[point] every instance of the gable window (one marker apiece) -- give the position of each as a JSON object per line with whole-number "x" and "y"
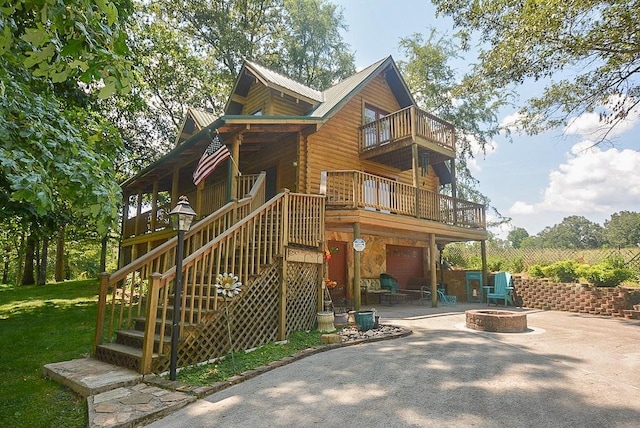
{"x": 378, "y": 132}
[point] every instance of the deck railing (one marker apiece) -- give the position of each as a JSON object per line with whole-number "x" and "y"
{"x": 356, "y": 189}
{"x": 409, "y": 122}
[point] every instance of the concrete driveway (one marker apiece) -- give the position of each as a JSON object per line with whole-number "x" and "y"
{"x": 571, "y": 370}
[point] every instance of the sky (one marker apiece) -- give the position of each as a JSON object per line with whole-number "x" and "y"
{"x": 538, "y": 180}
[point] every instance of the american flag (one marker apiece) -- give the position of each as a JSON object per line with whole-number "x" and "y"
{"x": 215, "y": 154}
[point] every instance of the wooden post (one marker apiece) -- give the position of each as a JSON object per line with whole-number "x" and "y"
{"x": 234, "y": 171}
{"x": 154, "y": 212}
{"x": 416, "y": 178}
{"x": 483, "y": 256}
{"x": 175, "y": 187}
{"x": 432, "y": 263}
{"x": 150, "y": 325}
{"x": 102, "y": 309}
{"x": 282, "y": 322}
{"x": 356, "y": 270}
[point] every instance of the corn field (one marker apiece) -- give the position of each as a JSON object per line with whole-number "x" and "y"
{"x": 520, "y": 259}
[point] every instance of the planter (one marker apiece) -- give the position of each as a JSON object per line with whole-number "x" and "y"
{"x": 364, "y": 320}
{"x": 341, "y": 319}
{"x": 325, "y": 322}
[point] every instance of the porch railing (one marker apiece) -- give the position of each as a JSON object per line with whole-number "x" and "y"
{"x": 356, "y": 189}
{"x": 409, "y": 122}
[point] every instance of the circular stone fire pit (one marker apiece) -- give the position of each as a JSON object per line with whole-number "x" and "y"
{"x": 497, "y": 321}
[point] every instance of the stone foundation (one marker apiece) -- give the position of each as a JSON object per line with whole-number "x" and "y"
{"x": 496, "y": 321}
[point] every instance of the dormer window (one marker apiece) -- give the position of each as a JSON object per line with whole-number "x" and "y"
{"x": 257, "y": 112}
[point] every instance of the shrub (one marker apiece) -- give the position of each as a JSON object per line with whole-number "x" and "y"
{"x": 605, "y": 274}
{"x": 564, "y": 271}
{"x": 536, "y": 271}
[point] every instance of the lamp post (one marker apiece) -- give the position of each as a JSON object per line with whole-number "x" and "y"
{"x": 181, "y": 217}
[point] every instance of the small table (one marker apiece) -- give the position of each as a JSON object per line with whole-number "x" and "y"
{"x": 380, "y": 293}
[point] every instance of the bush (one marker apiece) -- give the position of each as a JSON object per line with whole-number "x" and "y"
{"x": 606, "y": 274}
{"x": 564, "y": 271}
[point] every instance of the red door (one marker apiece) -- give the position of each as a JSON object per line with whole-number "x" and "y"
{"x": 404, "y": 263}
{"x": 338, "y": 271}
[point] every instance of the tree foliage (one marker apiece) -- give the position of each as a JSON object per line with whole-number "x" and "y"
{"x": 595, "y": 43}
{"x": 516, "y": 236}
{"x": 438, "y": 89}
{"x": 57, "y": 153}
{"x": 574, "y": 232}
{"x": 623, "y": 229}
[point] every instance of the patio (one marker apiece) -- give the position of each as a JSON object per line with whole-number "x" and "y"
{"x": 570, "y": 370}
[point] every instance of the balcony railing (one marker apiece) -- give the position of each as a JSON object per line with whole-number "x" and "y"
{"x": 355, "y": 189}
{"x": 409, "y": 122}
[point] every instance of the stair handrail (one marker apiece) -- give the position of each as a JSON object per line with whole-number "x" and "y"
{"x": 270, "y": 246}
{"x": 132, "y": 293}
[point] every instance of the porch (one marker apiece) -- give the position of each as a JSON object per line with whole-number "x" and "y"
{"x": 349, "y": 190}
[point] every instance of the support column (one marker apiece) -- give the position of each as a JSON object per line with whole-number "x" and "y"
{"x": 416, "y": 178}
{"x": 234, "y": 170}
{"x": 432, "y": 268}
{"x": 356, "y": 270}
{"x": 483, "y": 256}
{"x": 154, "y": 212}
{"x": 175, "y": 184}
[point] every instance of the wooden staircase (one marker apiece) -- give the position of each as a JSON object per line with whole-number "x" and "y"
{"x": 136, "y": 304}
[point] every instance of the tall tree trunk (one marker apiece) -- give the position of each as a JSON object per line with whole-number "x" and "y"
{"x": 103, "y": 254}
{"x": 59, "y": 275}
{"x": 20, "y": 267}
{"x": 44, "y": 257}
{"x": 5, "y": 270}
{"x": 30, "y": 249}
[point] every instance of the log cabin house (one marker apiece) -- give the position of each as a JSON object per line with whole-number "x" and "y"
{"x": 310, "y": 171}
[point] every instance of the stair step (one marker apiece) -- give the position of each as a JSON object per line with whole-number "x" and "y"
{"x": 135, "y": 338}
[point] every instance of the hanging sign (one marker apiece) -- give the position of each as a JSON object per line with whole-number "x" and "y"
{"x": 359, "y": 244}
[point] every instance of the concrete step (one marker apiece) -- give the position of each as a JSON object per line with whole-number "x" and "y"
{"x": 88, "y": 376}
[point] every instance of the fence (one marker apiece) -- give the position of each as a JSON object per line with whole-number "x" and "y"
{"x": 520, "y": 259}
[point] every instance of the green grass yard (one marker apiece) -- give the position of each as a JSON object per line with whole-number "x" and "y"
{"x": 52, "y": 323}
{"x": 41, "y": 325}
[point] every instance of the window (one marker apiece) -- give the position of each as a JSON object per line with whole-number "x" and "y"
{"x": 378, "y": 134}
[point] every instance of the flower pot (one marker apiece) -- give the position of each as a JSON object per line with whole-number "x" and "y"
{"x": 364, "y": 320}
{"x": 325, "y": 322}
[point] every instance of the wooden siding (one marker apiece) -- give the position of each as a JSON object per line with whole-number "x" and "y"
{"x": 272, "y": 102}
{"x": 282, "y": 155}
{"x": 335, "y": 145}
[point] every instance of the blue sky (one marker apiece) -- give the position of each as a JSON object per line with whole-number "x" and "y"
{"x": 536, "y": 180}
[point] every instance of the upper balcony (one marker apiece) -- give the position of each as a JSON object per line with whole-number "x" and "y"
{"x": 388, "y": 140}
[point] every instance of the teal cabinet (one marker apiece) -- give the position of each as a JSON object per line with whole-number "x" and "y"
{"x": 473, "y": 280}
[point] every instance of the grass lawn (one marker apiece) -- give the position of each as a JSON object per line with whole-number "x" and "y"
{"x": 41, "y": 325}
{"x": 52, "y": 323}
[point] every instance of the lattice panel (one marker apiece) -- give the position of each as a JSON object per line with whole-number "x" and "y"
{"x": 253, "y": 317}
{"x": 302, "y": 296}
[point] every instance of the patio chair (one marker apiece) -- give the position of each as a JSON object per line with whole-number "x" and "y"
{"x": 388, "y": 282}
{"x": 447, "y": 299}
{"x": 501, "y": 289}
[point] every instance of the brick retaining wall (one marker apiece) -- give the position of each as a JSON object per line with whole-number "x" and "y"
{"x": 582, "y": 298}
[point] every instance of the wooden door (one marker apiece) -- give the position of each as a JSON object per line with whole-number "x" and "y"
{"x": 404, "y": 263}
{"x": 337, "y": 271}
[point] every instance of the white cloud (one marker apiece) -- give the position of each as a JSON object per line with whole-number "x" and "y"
{"x": 591, "y": 126}
{"x": 591, "y": 181}
{"x": 513, "y": 122}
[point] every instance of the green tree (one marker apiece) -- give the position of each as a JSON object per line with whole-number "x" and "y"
{"x": 313, "y": 51}
{"x": 575, "y": 232}
{"x": 516, "y": 236}
{"x": 439, "y": 90}
{"x": 596, "y": 41}
{"x": 623, "y": 229}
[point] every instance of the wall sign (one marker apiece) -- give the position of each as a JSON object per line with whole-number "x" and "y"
{"x": 359, "y": 244}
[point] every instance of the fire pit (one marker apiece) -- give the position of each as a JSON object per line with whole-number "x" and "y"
{"x": 497, "y": 321}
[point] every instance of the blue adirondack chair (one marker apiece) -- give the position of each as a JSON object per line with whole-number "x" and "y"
{"x": 501, "y": 289}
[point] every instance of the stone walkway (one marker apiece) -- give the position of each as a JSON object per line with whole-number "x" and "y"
{"x": 122, "y": 398}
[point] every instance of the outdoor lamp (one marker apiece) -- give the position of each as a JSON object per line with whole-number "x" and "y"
{"x": 181, "y": 217}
